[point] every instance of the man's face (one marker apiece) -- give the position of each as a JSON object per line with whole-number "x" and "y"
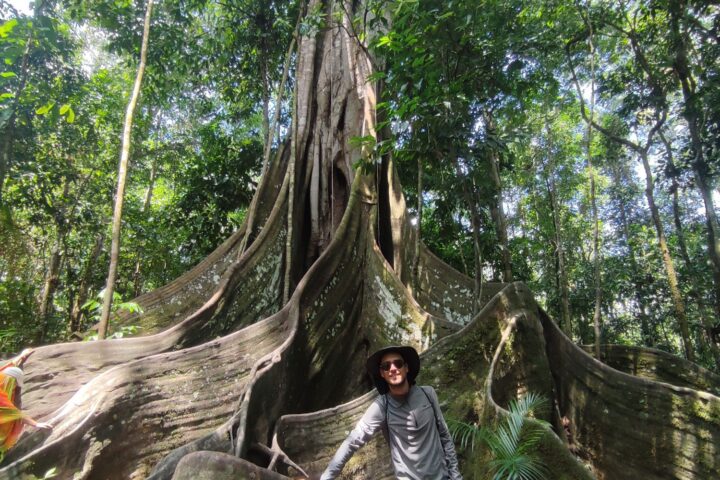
{"x": 394, "y": 375}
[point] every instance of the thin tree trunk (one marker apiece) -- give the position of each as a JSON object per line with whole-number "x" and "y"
{"x": 52, "y": 280}
{"x": 291, "y": 202}
{"x": 498, "y": 215}
{"x": 250, "y": 222}
{"x": 678, "y": 303}
{"x": 713, "y": 230}
{"x": 475, "y": 223}
{"x": 418, "y": 235}
{"x": 280, "y": 94}
{"x": 597, "y": 273}
{"x": 478, "y": 280}
{"x": 562, "y": 280}
{"x": 5, "y": 159}
{"x": 496, "y": 207}
{"x": 84, "y": 286}
{"x": 265, "y": 102}
{"x": 597, "y": 276}
{"x": 137, "y": 274}
{"x": 566, "y": 319}
{"x": 52, "y": 276}
{"x": 642, "y": 151}
{"x": 706, "y": 338}
{"x": 122, "y": 174}
{"x": 681, "y": 67}
{"x": 639, "y": 290}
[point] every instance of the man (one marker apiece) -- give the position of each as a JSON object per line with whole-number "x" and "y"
{"x": 420, "y": 444}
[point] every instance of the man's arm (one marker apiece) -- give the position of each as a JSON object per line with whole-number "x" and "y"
{"x": 451, "y": 460}
{"x": 370, "y": 423}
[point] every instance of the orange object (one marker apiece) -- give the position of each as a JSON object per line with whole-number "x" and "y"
{"x": 11, "y": 422}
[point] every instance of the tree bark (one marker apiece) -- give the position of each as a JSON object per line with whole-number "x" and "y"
{"x": 122, "y": 175}
{"x": 677, "y": 300}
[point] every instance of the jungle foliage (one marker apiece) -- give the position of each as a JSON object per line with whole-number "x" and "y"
{"x": 490, "y": 139}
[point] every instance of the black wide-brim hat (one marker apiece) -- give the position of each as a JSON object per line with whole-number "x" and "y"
{"x": 409, "y": 354}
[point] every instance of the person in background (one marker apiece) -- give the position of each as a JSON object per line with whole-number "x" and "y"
{"x": 421, "y": 447}
{"x": 12, "y": 419}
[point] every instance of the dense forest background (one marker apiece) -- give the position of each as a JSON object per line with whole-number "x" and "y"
{"x": 572, "y": 145}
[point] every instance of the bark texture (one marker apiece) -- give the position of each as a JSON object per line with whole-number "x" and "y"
{"x": 235, "y": 383}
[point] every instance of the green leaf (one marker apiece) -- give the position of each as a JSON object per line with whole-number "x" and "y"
{"x": 70, "y": 116}
{"x": 384, "y": 40}
{"x": 64, "y": 109}
{"x": 8, "y": 74}
{"x": 7, "y": 27}
{"x": 45, "y": 109}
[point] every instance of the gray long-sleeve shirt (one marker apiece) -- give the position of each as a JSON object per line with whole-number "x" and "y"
{"x": 420, "y": 448}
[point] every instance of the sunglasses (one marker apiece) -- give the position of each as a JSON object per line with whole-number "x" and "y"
{"x": 398, "y": 362}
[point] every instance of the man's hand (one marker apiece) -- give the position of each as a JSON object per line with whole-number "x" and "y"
{"x": 43, "y": 426}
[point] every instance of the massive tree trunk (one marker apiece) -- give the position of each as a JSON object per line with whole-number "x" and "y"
{"x": 236, "y": 383}
{"x": 122, "y": 175}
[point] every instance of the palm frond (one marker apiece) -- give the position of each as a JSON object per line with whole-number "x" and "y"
{"x": 464, "y": 434}
{"x": 512, "y": 442}
{"x": 530, "y": 404}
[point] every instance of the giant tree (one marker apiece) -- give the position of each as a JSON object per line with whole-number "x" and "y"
{"x": 234, "y": 380}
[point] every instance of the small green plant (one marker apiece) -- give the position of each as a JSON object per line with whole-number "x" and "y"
{"x": 512, "y": 442}
{"x": 93, "y": 309}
